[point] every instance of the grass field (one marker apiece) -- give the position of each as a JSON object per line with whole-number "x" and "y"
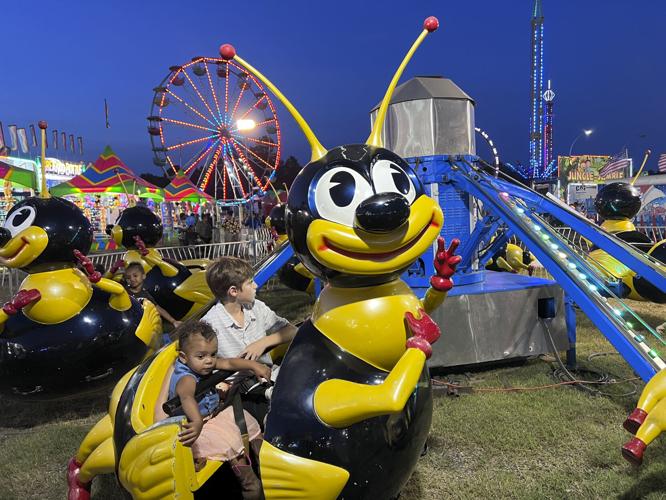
{"x": 511, "y": 432}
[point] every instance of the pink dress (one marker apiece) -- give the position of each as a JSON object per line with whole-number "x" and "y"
{"x": 220, "y": 437}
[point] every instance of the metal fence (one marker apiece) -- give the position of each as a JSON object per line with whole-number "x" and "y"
{"x": 655, "y": 233}
{"x": 261, "y": 245}
{"x": 251, "y": 250}
{"x": 572, "y": 237}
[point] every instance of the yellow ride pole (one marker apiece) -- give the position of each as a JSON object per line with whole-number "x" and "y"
{"x": 43, "y": 126}
{"x": 130, "y": 201}
{"x": 647, "y": 153}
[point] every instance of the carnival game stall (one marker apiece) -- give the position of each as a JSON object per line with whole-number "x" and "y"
{"x": 182, "y": 196}
{"x": 105, "y": 188}
{"x": 13, "y": 175}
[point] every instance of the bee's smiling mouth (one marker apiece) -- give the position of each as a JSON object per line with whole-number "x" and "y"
{"x": 377, "y": 256}
{"x": 19, "y": 249}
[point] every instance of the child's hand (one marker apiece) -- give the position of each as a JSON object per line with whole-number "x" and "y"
{"x": 253, "y": 351}
{"x": 262, "y": 371}
{"x": 190, "y": 432}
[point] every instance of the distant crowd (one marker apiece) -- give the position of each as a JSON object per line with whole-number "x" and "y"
{"x": 194, "y": 229}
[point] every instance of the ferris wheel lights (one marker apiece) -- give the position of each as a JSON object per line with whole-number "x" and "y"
{"x": 227, "y": 51}
{"x": 214, "y": 125}
{"x": 431, "y": 24}
{"x": 245, "y": 124}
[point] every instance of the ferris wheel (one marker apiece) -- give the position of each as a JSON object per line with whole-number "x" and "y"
{"x": 214, "y": 120}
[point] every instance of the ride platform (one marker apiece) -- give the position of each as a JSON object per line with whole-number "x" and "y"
{"x": 503, "y": 317}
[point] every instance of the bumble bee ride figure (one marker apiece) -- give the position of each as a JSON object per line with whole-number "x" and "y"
{"x": 511, "y": 258}
{"x": 177, "y": 288}
{"x": 352, "y": 407}
{"x": 67, "y": 330}
{"x": 617, "y": 204}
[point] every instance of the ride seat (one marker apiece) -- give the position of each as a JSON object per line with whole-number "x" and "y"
{"x": 148, "y": 417}
{"x": 163, "y": 396}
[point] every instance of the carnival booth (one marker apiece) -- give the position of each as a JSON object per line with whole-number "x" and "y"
{"x": 104, "y": 189}
{"x": 182, "y": 195}
{"x": 13, "y": 175}
{"x": 27, "y": 179}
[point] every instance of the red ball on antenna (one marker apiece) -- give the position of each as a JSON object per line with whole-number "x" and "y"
{"x": 42, "y": 124}
{"x": 431, "y": 24}
{"x": 227, "y": 51}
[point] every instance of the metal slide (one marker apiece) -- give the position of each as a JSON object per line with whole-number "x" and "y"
{"x": 518, "y": 207}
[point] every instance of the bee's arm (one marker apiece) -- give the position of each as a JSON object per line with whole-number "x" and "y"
{"x": 340, "y": 403}
{"x": 154, "y": 258}
{"x": 119, "y": 300}
{"x": 22, "y": 299}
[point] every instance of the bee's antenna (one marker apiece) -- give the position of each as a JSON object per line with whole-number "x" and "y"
{"x": 375, "y": 139}
{"x": 228, "y": 52}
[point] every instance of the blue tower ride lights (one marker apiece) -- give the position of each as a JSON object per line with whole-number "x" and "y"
{"x": 536, "y": 94}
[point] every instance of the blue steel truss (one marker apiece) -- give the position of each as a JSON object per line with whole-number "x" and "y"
{"x": 520, "y": 209}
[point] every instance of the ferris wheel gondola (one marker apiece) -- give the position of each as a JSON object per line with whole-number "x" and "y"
{"x": 214, "y": 120}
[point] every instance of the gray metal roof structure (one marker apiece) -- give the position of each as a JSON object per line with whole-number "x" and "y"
{"x": 427, "y": 87}
{"x": 428, "y": 115}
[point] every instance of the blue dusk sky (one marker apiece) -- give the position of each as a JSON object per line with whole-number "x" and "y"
{"x": 334, "y": 60}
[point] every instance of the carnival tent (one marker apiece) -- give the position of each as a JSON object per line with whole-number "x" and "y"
{"x": 108, "y": 175}
{"x": 25, "y": 178}
{"x": 183, "y": 189}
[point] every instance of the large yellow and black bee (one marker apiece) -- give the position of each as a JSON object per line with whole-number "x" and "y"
{"x": 64, "y": 333}
{"x": 352, "y": 406}
{"x": 510, "y": 258}
{"x": 176, "y": 287}
{"x": 617, "y": 204}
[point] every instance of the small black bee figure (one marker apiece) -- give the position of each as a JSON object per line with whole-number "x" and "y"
{"x": 67, "y": 330}
{"x": 179, "y": 289}
{"x": 617, "y": 204}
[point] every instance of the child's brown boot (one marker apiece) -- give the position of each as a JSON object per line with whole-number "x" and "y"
{"x": 248, "y": 480}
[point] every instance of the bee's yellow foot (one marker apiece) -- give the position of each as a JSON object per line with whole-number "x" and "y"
{"x": 76, "y": 489}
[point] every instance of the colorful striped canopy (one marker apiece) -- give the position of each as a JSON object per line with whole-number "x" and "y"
{"x": 183, "y": 189}
{"x": 25, "y": 178}
{"x": 108, "y": 175}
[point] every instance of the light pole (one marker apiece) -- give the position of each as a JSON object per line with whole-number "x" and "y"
{"x": 586, "y": 133}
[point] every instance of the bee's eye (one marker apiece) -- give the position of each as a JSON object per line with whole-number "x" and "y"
{"x": 339, "y": 191}
{"x": 20, "y": 220}
{"x": 389, "y": 177}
